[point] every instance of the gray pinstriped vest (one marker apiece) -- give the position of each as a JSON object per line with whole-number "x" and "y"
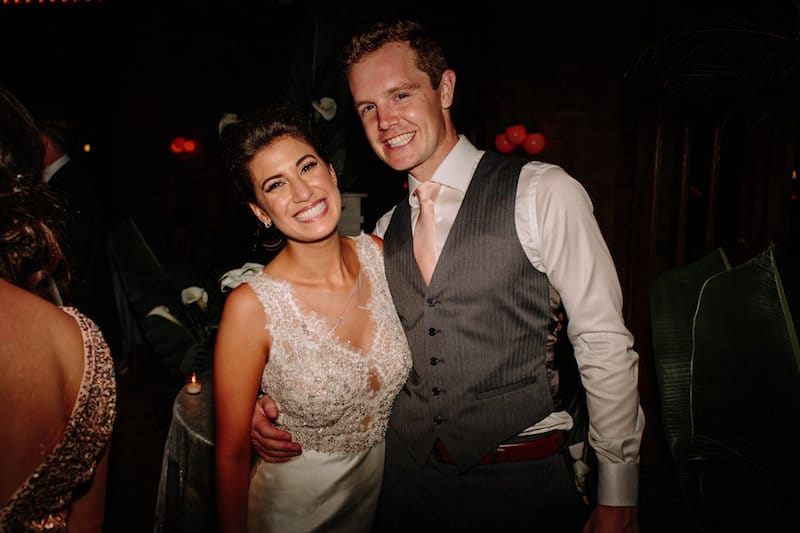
{"x": 478, "y": 333}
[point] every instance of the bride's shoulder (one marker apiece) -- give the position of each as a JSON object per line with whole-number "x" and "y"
{"x": 369, "y": 241}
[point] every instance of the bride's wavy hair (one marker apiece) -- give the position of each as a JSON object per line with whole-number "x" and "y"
{"x": 31, "y": 218}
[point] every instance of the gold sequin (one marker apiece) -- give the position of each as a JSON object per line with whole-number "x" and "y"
{"x": 42, "y": 502}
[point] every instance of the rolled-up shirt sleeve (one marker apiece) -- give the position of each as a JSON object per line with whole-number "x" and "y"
{"x": 561, "y": 236}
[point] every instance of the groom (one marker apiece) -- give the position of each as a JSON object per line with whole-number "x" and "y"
{"x": 476, "y": 436}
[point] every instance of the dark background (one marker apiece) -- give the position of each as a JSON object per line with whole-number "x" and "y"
{"x": 679, "y": 117}
{"x": 138, "y": 74}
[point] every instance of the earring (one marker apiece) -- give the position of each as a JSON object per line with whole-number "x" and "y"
{"x": 268, "y": 224}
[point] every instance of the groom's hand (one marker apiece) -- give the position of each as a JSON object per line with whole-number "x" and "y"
{"x": 273, "y": 445}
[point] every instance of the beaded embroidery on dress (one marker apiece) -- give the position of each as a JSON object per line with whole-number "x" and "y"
{"x": 335, "y": 400}
{"x": 42, "y": 502}
{"x": 324, "y": 387}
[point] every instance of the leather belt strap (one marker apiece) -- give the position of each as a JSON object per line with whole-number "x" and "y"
{"x": 518, "y": 451}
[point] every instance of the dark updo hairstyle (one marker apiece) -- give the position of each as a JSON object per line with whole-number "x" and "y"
{"x": 31, "y": 218}
{"x": 256, "y": 131}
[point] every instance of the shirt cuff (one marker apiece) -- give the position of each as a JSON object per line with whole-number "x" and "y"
{"x": 618, "y": 484}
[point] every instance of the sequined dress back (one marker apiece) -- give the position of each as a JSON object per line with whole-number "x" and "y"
{"x": 42, "y": 502}
{"x": 328, "y": 400}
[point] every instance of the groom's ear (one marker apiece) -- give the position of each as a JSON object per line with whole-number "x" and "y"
{"x": 447, "y": 87}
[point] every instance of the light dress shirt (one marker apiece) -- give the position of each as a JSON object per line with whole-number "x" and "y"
{"x": 559, "y": 233}
{"x": 54, "y": 167}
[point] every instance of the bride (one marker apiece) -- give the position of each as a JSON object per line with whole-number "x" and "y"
{"x": 318, "y": 332}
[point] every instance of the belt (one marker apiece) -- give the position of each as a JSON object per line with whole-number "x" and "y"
{"x": 518, "y": 451}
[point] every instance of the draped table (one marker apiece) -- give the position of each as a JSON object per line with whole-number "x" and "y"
{"x": 185, "y": 499}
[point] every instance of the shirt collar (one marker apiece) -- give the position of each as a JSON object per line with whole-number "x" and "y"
{"x": 54, "y": 167}
{"x": 455, "y": 171}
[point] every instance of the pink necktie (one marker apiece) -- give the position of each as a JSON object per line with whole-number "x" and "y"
{"x": 425, "y": 230}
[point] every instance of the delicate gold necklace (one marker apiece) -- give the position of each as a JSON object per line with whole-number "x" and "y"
{"x": 356, "y": 289}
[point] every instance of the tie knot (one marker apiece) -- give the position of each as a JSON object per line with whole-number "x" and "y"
{"x": 427, "y": 190}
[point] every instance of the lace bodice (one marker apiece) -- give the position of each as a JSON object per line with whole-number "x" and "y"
{"x": 42, "y": 502}
{"x": 324, "y": 388}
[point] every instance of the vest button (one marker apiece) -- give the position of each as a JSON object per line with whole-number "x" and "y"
{"x": 432, "y": 331}
{"x": 436, "y": 391}
{"x": 434, "y": 361}
{"x": 438, "y": 419}
{"x": 431, "y": 302}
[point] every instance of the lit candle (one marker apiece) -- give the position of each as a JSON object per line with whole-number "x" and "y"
{"x": 193, "y": 386}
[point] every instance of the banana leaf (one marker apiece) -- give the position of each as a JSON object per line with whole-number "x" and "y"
{"x": 745, "y": 396}
{"x": 673, "y": 302}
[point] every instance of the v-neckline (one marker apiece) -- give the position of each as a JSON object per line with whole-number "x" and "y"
{"x": 306, "y": 315}
{"x": 327, "y": 331}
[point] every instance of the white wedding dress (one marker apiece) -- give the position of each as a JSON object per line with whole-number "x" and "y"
{"x": 335, "y": 401}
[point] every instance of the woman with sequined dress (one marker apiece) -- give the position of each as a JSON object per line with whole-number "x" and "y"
{"x": 57, "y": 379}
{"x": 318, "y": 332}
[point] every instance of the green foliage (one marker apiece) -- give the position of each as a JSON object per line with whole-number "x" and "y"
{"x": 673, "y": 303}
{"x": 185, "y": 344}
{"x": 728, "y": 67}
{"x": 728, "y": 366}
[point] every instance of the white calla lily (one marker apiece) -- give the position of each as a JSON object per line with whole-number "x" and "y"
{"x": 326, "y": 106}
{"x": 197, "y": 295}
{"x": 233, "y": 278}
{"x": 226, "y": 120}
{"x": 163, "y": 312}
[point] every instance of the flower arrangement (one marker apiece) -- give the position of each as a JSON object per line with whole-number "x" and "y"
{"x": 197, "y": 319}
{"x": 168, "y": 310}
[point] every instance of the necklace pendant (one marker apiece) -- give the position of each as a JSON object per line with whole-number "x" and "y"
{"x": 355, "y": 290}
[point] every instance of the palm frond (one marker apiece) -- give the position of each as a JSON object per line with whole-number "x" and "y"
{"x": 725, "y": 68}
